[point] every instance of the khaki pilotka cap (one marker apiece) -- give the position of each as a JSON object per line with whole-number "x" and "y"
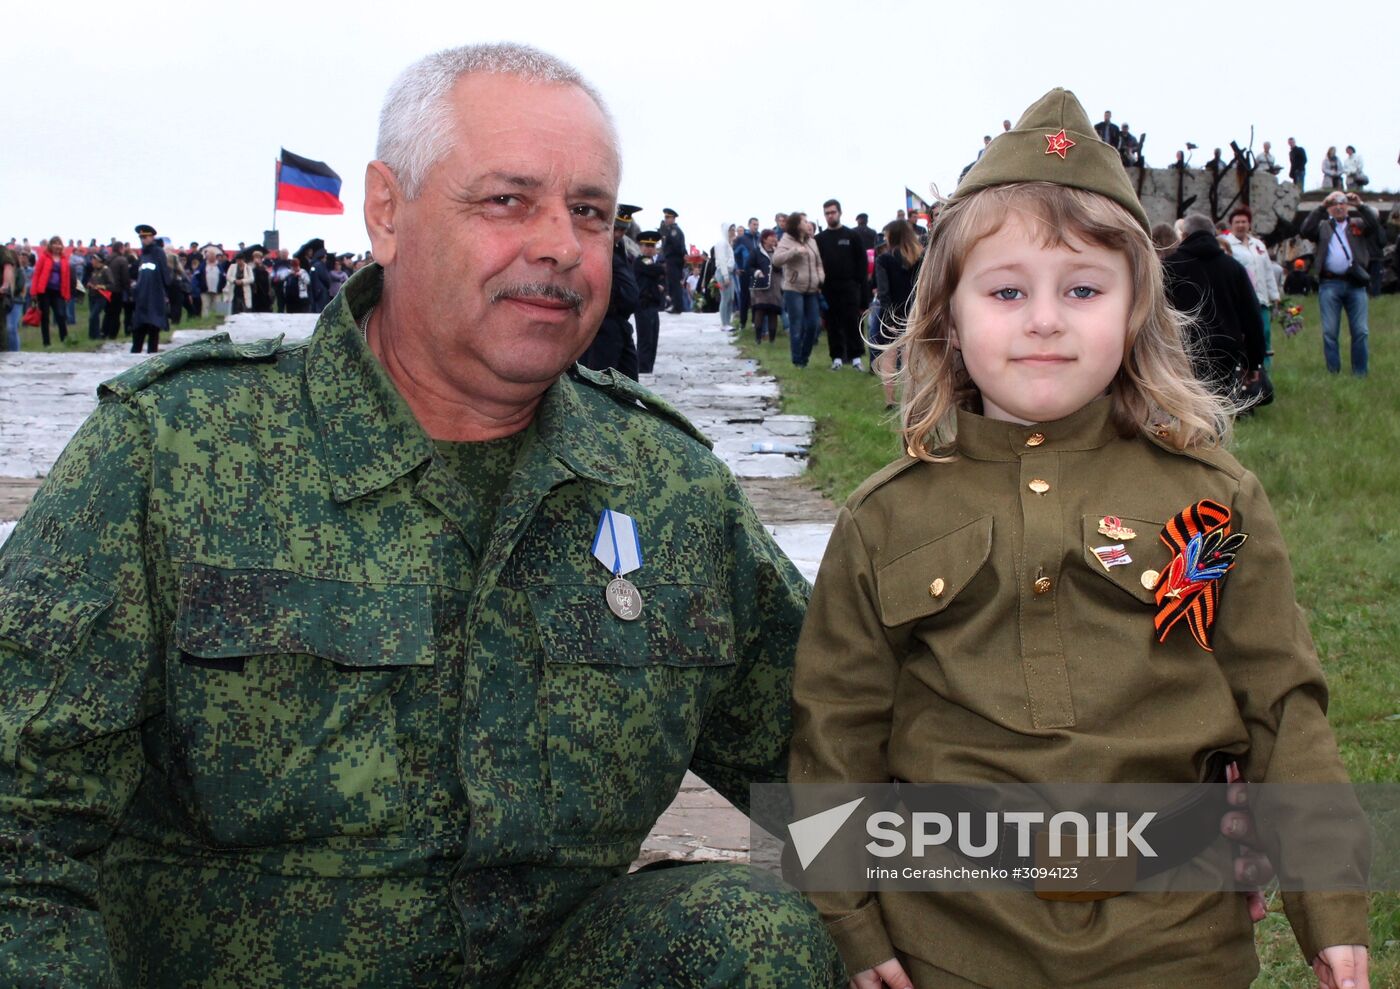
{"x": 1054, "y": 142}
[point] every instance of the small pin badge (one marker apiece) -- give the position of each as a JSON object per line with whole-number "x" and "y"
{"x": 617, "y": 546}
{"x": 1113, "y": 556}
{"x": 1059, "y": 143}
{"x": 1112, "y": 527}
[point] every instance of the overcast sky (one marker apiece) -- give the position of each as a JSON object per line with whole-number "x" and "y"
{"x": 173, "y": 114}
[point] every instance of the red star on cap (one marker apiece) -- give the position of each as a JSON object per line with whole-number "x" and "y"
{"x": 1059, "y": 143}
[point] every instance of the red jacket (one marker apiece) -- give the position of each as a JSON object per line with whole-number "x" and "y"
{"x": 43, "y": 266}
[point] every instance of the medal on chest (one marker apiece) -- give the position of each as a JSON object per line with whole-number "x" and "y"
{"x": 617, "y": 546}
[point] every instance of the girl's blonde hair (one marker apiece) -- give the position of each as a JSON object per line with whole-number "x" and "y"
{"x": 1154, "y": 390}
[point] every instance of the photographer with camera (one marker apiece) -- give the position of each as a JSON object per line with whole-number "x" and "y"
{"x": 1341, "y": 265}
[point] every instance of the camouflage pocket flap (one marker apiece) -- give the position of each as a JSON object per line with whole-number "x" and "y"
{"x": 47, "y": 606}
{"x": 925, "y": 580}
{"x": 229, "y": 613}
{"x": 680, "y": 625}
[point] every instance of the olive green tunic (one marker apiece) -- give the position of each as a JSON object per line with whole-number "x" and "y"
{"x": 1034, "y": 662}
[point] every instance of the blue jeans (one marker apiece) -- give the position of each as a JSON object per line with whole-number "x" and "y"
{"x": 12, "y": 324}
{"x": 1332, "y": 295}
{"x": 803, "y": 310}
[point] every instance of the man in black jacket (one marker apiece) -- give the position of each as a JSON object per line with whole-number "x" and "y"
{"x": 846, "y": 282}
{"x": 673, "y": 254}
{"x": 1203, "y": 280}
{"x": 1297, "y": 162}
{"x": 612, "y": 346}
{"x": 150, "y": 315}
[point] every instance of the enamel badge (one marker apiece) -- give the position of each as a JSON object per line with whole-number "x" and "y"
{"x": 1112, "y": 556}
{"x": 617, "y": 546}
{"x": 1058, "y": 143}
{"x": 1112, "y": 527}
{"x": 1203, "y": 552}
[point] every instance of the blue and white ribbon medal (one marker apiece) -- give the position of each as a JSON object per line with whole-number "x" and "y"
{"x": 618, "y": 547}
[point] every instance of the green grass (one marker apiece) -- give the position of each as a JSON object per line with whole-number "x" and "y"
{"x": 1326, "y": 453}
{"x": 31, "y": 339}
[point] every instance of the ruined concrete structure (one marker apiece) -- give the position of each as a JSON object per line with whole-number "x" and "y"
{"x": 1168, "y": 193}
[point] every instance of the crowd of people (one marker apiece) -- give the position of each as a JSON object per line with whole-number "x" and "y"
{"x": 143, "y": 288}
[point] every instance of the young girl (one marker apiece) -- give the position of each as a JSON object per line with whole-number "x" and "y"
{"x": 998, "y": 606}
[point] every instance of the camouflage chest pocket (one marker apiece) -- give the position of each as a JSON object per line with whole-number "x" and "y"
{"x": 280, "y": 695}
{"x": 623, "y": 702}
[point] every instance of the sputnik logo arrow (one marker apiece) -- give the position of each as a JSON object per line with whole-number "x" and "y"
{"x": 811, "y": 834}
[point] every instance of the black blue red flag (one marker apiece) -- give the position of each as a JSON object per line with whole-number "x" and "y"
{"x": 306, "y": 186}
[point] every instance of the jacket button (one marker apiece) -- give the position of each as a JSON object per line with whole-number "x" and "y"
{"x": 1035, "y": 439}
{"x": 936, "y": 588}
{"x": 1042, "y": 585}
{"x": 1039, "y": 486}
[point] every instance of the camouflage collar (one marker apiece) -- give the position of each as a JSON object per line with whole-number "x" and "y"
{"x": 992, "y": 439}
{"x": 371, "y": 436}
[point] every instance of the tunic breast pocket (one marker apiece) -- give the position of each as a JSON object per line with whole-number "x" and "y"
{"x": 1128, "y": 564}
{"x": 623, "y": 702}
{"x": 279, "y": 700}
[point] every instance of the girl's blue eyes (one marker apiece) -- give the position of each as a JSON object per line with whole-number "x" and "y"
{"x": 1080, "y": 292}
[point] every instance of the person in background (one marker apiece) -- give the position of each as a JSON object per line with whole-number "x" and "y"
{"x": 766, "y": 286}
{"x": 1250, "y": 252}
{"x": 262, "y": 281}
{"x": 845, "y": 286}
{"x": 52, "y": 287}
{"x": 1354, "y": 171}
{"x": 78, "y": 262}
{"x": 1266, "y": 160}
{"x": 1342, "y": 267}
{"x": 1297, "y": 163}
{"x": 150, "y": 315}
{"x": 119, "y": 266}
{"x": 801, "y": 264}
{"x": 673, "y": 254}
{"x": 1204, "y": 279}
{"x": 744, "y": 246}
{"x": 240, "y": 285}
{"x": 1164, "y": 238}
{"x": 11, "y": 292}
{"x": 209, "y": 280}
{"x": 99, "y": 294}
{"x": 723, "y": 255}
{"x": 1331, "y": 170}
{"x": 896, "y": 272}
{"x": 650, "y": 274}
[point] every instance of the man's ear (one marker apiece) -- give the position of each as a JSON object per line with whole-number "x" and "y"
{"x": 383, "y": 197}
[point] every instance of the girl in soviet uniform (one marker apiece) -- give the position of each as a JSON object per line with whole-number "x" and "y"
{"x": 1018, "y": 599}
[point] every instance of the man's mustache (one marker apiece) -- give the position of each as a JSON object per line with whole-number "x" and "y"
{"x": 547, "y": 291}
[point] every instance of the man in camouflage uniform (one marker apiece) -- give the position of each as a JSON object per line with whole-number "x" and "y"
{"x": 307, "y": 675}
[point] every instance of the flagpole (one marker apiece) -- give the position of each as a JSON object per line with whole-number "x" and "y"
{"x": 276, "y": 176}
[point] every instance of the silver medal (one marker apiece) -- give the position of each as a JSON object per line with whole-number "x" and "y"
{"x": 624, "y": 599}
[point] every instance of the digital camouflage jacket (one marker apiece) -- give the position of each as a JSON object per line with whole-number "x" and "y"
{"x": 275, "y": 711}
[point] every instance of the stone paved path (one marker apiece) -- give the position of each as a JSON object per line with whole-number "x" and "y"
{"x": 44, "y": 397}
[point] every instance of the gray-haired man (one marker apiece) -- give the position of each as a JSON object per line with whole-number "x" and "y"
{"x": 371, "y": 661}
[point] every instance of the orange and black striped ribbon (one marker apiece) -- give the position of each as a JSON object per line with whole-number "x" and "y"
{"x": 1196, "y": 602}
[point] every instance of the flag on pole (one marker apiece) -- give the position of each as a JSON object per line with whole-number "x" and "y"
{"x": 914, "y": 204}
{"x": 306, "y": 186}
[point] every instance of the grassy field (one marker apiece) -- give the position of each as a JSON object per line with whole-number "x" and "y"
{"x": 31, "y": 339}
{"x": 1326, "y": 451}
